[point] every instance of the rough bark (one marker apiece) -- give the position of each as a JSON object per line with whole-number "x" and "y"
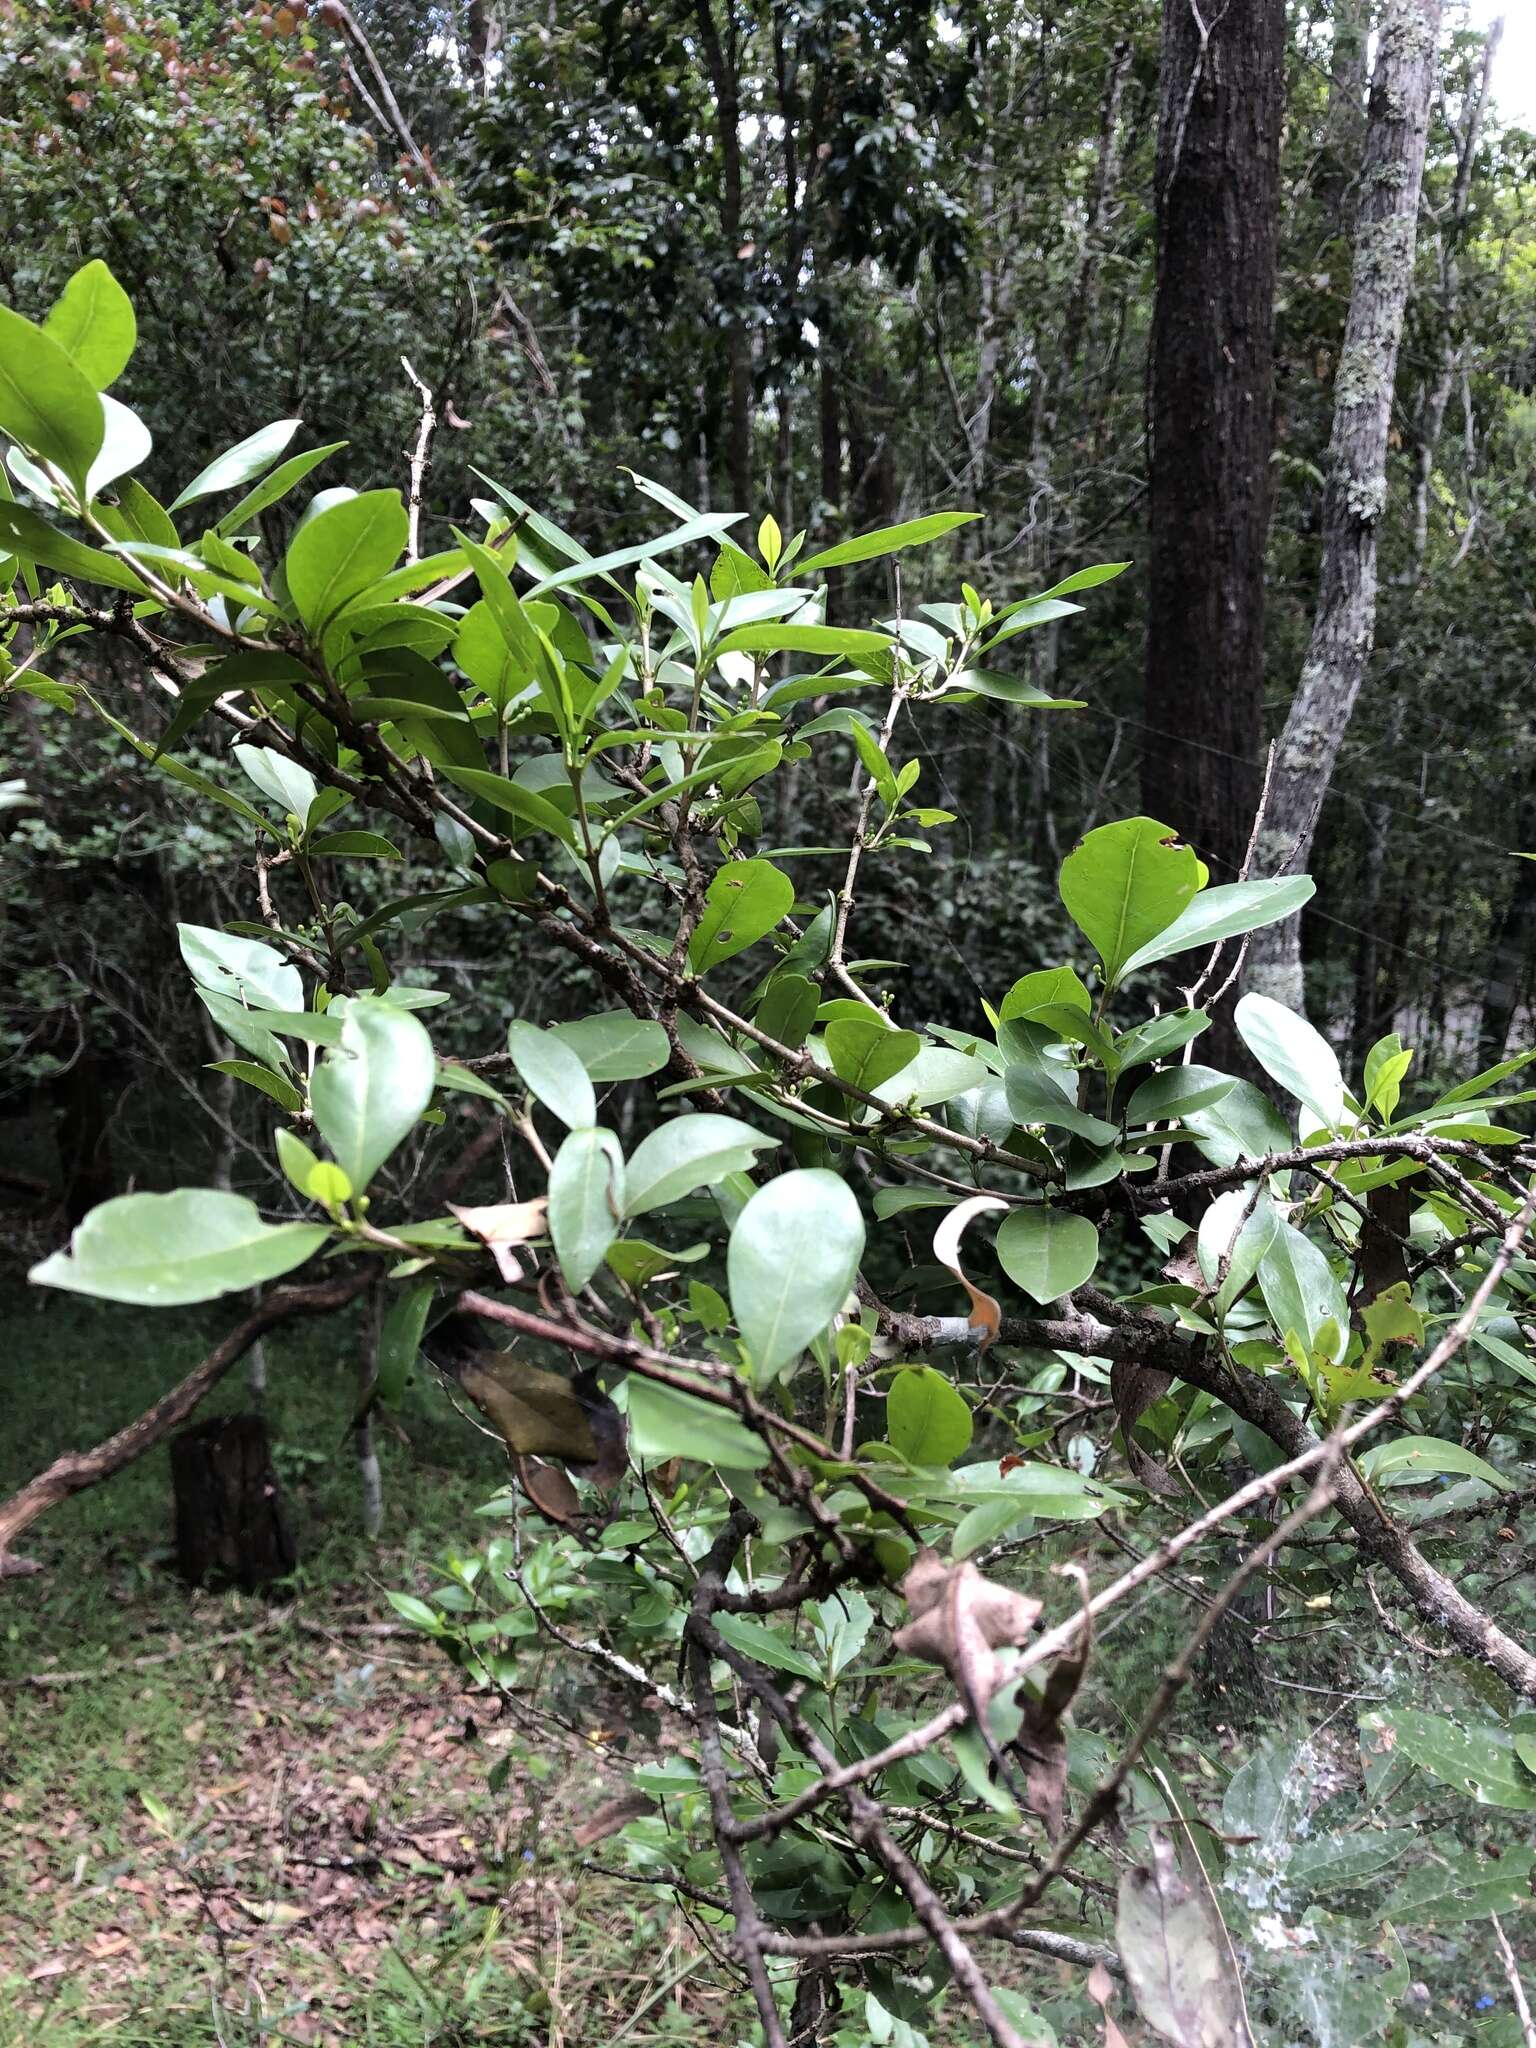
{"x": 1355, "y": 487}
{"x": 1222, "y": 97}
{"x": 720, "y": 62}
{"x": 230, "y": 1524}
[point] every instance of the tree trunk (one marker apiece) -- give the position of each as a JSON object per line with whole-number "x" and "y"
{"x": 1212, "y": 376}
{"x": 720, "y": 61}
{"x": 230, "y": 1523}
{"x": 1355, "y": 490}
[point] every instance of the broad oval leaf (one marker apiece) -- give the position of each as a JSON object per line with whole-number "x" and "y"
{"x": 162, "y": 1251}
{"x": 552, "y": 1071}
{"x": 744, "y": 901}
{"x": 1124, "y": 884}
{"x": 688, "y": 1153}
{"x": 1226, "y": 913}
{"x": 586, "y": 1197}
{"x": 1295, "y": 1054}
{"x": 1482, "y": 1762}
{"x": 616, "y": 1045}
{"x": 243, "y": 969}
{"x": 1301, "y": 1290}
{"x": 666, "y": 1423}
{"x": 92, "y": 320}
{"x": 925, "y": 1418}
{"x": 867, "y": 1052}
{"x": 370, "y": 1090}
{"x": 1047, "y": 1251}
{"x": 349, "y": 546}
{"x": 1408, "y": 1458}
{"x": 1169, "y": 1096}
{"x": 794, "y": 1255}
{"x": 284, "y": 781}
{"x": 47, "y": 403}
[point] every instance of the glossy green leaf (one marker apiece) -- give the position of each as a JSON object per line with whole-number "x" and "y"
{"x": 1169, "y": 1096}
{"x": 689, "y": 1152}
{"x": 368, "y": 1093}
{"x": 25, "y": 534}
{"x": 586, "y": 1199}
{"x": 518, "y": 801}
{"x": 92, "y": 321}
{"x": 271, "y": 490}
{"x": 1301, "y": 1290}
{"x": 616, "y": 1045}
{"x": 925, "y": 1418}
{"x": 768, "y": 1646}
{"x": 866, "y": 1051}
{"x": 1047, "y": 1251}
{"x": 399, "y": 1341}
{"x": 348, "y": 547}
{"x": 1408, "y": 1458}
{"x": 1034, "y": 1098}
{"x": 163, "y": 1251}
{"x": 288, "y": 785}
{"x": 744, "y": 901}
{"x": 244, "y": 969}
{"x": 664, "y": 1423}
{"x": 830, "y": 642}
{"x": 1049, "y": 988}
{"x": 553, "y": 1072}
{"x": 1124, "y": 884}
{"x": 886, "y": 540}
{"x": 793, "y": 1258}
{"x": 1482, "y": 1762}
{"x": 1226, "y": 913}
{"x": 1292, "y": 1052}
{"x": 47, "y": 403}
{"x": 239, "y": 464}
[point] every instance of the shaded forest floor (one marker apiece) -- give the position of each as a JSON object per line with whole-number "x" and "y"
{"x": 278, "y": 1827}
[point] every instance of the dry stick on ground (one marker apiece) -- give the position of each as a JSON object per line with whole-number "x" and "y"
{"x": 76, "y": 1470}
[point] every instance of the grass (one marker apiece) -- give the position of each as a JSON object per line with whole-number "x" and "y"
{"x": 280, "y": 1828}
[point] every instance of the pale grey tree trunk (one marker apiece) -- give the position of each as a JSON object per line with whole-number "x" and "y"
{"x": 1355, "y": 487}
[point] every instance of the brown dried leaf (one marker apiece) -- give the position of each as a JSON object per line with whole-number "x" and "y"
{"x": 538, "y": 1412}
{"x": 1134, "y": 1389}
{"x": 1042, "y": 1742}
{"x": 503, "y": 1225}
{"x": 959, "y": 1620}
{"x": 612, "y": 1815}
{"x": 549, "y": 1490}
{"x": 1177, "y": 1958}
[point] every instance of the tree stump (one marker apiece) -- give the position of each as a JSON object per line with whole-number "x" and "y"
{"x": 230, "y": 1524}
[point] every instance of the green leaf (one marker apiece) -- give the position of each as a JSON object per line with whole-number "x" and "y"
{"x": 92, "y": 321}
{"x": 1483, "y": 1762}
{"x": 1082, "y": 579}
{"x": 1226, "y": 913}
{"x": 1291, "y": 1052}
{"x": 793, "y": 1257}
{"x": 1126, "y": 883}
{"x": 688, "y": 1153}
{"x": 767, "y": 1647}
{"x": 1243, "y": 1125}
{"x": 1049, "y": 988}
{"x": 243, "y": 969}
{"x": 1301, "y": 1290}
{"x": 586, "y": 1199}
{"x": 788, "y": 1009}
{"x": 342, "y": 551}
{"x": 239, "y": 464}
{"x": 664, "y": 1423}
{"x": 833, "y": 642}
{"x": 46, "y": 403}
{"x": 866, "y": 1051}
{"x": 275, "y": 487}
{"x": 1169, "y": 1096}
{"x": 1034, "y": 1098}
{"x": 553, "y": 1072}
{"x": 1230, "y": 1230}
{"x": 357, "y": 846}
{"x": 370, "y": 1090}
{"x": 744, "y": 901}
{"x": 925, "y": 1418}
{"x": 263, "y": 1080}
{"x": 1408, "y": 1458}
{"x": 704, "y": 526}
{"x": 616, "y": 1045}
{"x": 417, "y": 1613}
{"x": 162, "y": 1251}
{"x": 518, "y": 801}
{"x": 1047, "y": 1251}
{"x": 887, "y": 540}
{"x": 24, "y": 533}
{"x": 400, "y": 1340}
{"x": 284, "y": 781}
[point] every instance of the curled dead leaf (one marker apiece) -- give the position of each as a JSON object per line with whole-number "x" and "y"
{"x": 549, "y": 1490}
{"x": 986, "y": 1316}
{"x": 612, "y": 1815}
{"x": 960, "y": 1619}
{"x": 1177, "y": 1958}
{"x": 1041, "y": 1742}
{"x": 501, "y": 1226}
{"x": 1134, "y": 1389}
